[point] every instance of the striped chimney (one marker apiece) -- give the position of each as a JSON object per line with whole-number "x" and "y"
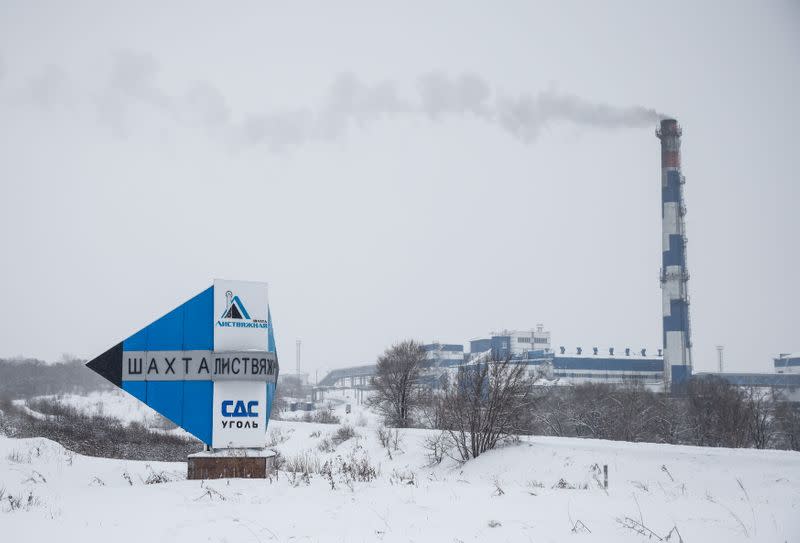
{"x": 674, "y": 273}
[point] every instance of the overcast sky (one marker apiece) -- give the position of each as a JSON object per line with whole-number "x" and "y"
{"x": 407, "y": 170}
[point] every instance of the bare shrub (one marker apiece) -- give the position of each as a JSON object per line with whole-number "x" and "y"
{"x": 353, "y": 468}
{"x": 395, "y": 441}
{"x": 640, "y": 528}
{"x": 15, "y": 502}
{"x": 211, "y": 494}
{"x": 18, "y": 457}
{"x": 384, "y": 436}
{"x": 787, "y": 421}
{"x": 276, "y": 436}
{"x": 718, "y": 413}
{"x": 95, "y": 435}
{"x": 52, "y": 407}
{"x": 344, "y": 433}
{"x": 278, "y": 461}
{"x": 322, "y": 416}
{"x": 629, "y": 413}
{"x": 761, "y": 419}
{"x": 535, "y": 484}
{"x": 305, "y": 462}
{"x": 22, "y": 502}
{"x": 158, "y": 477}
{"x": 564, "y": 484}
{"x": 486, "y": 405}
{"x": 403, "y": 477}
{"x": 436, "y": 448}
{"x": 297, "y": 478}
{"x": 498, "y": 488}
{"x": 389, "y": 439}
{"x": 35, "y": 478}
{"x": 326, "y": 445}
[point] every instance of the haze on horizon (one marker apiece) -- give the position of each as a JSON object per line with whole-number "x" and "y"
{"x": 424, "y": 171}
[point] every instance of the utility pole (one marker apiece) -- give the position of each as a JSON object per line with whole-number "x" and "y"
{"x": 298, "y": 343}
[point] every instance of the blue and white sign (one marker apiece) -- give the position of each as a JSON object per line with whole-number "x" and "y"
{"x": 209, "y": 366}
{"x": 239, "y": 414}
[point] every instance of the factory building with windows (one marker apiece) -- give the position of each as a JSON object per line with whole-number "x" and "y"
{"x": 533, "y": 348}
{"x": 787, "y": 363}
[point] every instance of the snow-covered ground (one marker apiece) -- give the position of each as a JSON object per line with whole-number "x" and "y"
{"x": 110, "y": 403}
{"x": 542, "y": 489}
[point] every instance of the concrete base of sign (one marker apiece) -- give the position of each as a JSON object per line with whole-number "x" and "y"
{"x": 231, "y": 464}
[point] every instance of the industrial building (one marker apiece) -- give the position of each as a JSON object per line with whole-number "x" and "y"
{"x": 513, "y": 342}
{"x": 787, "y": 363}
{"x": 592, "y": 366}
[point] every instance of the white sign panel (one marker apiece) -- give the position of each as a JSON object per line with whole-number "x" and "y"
{"x": 240, "y": 312}
{"x": 240, "y": 414}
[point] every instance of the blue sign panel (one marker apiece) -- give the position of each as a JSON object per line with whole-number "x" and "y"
{"x": 182, "y": 361}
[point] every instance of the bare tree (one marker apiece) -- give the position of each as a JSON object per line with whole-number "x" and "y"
{"x": 396, "y": 382}
{"x": 628, "y": 412}
{"x": 760, "y": 417}
{"x": 717, "y": 412}
{"x": 488, "y": 402}
{"x": 669, "y": 422}
{"x": 787, "y": 419}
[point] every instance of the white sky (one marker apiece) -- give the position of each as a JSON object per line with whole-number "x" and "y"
{"x": 146, "y": 149}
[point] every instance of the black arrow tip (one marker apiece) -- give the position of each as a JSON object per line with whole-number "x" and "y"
{"x": 109, "y": 364}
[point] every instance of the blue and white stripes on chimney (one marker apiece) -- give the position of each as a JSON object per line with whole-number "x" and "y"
{"x": 674, "y": 273}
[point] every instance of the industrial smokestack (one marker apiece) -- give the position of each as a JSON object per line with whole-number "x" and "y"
{"x": 674, "y": 274}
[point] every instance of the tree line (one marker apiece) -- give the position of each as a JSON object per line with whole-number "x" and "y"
{"x": 29, "y": 377}
{"x": 489, "y": 401}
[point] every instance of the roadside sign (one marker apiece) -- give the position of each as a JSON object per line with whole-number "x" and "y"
{"x": 210, "y": 365}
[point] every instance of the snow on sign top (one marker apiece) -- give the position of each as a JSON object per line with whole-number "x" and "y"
{"x": 209, "y": 365}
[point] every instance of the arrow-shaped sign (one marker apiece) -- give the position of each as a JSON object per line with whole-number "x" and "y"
{"x": 209, "y": 366}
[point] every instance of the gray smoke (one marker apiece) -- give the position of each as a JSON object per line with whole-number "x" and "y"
{"x": 442, "y": 95}
{"x": 439, "y": 96}
{"x": 348, "y": 102}
{"x": 50, "y": 89}
{"x": 525, "y": 116}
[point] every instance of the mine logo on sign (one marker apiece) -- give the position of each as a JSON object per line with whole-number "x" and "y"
{"x": 239, "y": 409}
{"x": 236, "y": 316}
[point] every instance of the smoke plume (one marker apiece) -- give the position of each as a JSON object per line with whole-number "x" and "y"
{"x": 348, "y": 102}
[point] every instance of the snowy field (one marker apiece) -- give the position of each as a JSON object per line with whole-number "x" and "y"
{"x": 111, "y": 403}
{"x": 541, "y": 489}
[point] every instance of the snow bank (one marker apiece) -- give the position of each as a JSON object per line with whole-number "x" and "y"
{"x": 541, "y": 489}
